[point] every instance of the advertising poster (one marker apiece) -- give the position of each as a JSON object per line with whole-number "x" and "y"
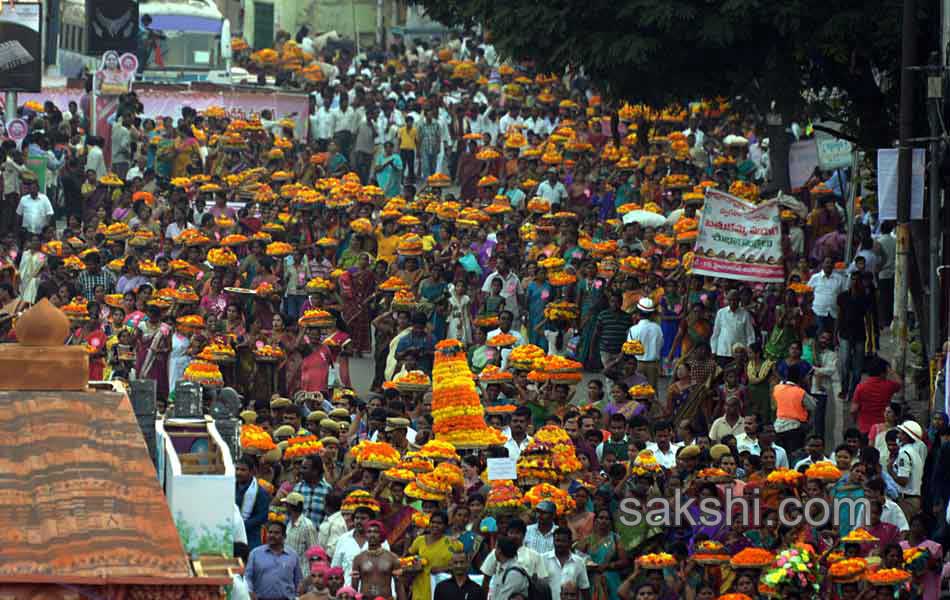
{"x": 112, "y": 25}
{"x": 738, "y": 240}
{"x": 21, "y": 64}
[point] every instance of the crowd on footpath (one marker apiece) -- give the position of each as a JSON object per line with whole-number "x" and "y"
{"x": 510, "y": 253}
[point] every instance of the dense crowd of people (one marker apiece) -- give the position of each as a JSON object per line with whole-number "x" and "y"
{"x": 438, "y": 194}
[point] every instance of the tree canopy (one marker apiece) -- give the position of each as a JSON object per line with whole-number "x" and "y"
{"x": 832, "y": 54}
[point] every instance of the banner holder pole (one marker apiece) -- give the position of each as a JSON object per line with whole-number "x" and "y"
{"x": 9, "y": 113}
{"x": 851, "y": 210}
{"x": 93, "y": 109}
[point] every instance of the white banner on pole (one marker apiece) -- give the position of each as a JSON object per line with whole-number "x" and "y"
{"x": 739, "y": 240}
{"x": 887, "y": 184}
{"x": 802, "y": 160}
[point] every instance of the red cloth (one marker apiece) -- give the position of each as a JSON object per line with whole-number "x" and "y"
{"x": 872, "y": 396}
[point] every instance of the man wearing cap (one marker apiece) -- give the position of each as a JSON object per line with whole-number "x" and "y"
{"x": 301, "y": 534}
{"x": 733, "y": 325}
{"x": 540, "y": 536}
{"x": 283, "y": 433}
{"x": 648, "y": 333}
{"x": 397, "y": 429}
{"x": 277, "y": 407}
{"x": 908, "y": 468}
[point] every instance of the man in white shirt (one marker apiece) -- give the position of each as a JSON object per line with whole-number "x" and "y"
{"x": 663, "y": 449}
{"x": 908, "y": 469}
{"x": 815, "y": 447}
{"x": 95, "y": 159}
{"x": 512, "y": 117}
{"x": 733, "y": 325}
{"x": 565, "y": 566}
{"x": 344, "y": 126}
{"x": 648, "y": 333}
{"x": 35, "y": 210}
{"x": 529, "y": 560}
{"x": 754, "y": 439}
{"x": 321, "y": 125}
{"x": 827, "y": 285}
{"x": 505, "y": 320}
{"x": 552, "y": 190}
{"x": 509, "y": 283}
{"x": 731, "y": 423}
{"x": 540, "y": 536}
{"x": 352, "y": 543}
{"x": 518, "y": 427}
{"x": 891, "y": 512}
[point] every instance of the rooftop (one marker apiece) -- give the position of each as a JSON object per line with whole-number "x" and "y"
{"x": 79, "y": 497}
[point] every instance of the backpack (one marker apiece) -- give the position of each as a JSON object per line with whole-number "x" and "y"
{"x": 538, "y": 589}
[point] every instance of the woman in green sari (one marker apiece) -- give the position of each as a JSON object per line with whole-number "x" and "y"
{"x": 433, "y": 290}
{"x": 590, "y": 297}
{"x": 350, "y": 256}
{"x": 607, "y": 557}
{"x": 783, "y": 334}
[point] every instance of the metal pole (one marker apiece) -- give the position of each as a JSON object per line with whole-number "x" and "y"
{"x": 934, "y": 102}
{"x": 9, "y": 107}
{"x": 850, "y": 208}
{"x": 904, "y": 158}
{"x": 379, "y": 24}
{"x": 356, "y": 30}
{"x": 93, "y": 109}
{"x": 944, "y": 32}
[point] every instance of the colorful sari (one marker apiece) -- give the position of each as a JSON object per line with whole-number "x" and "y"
{"x": 591, "y": 296}
{"x": 538, "y": 297}
{"x": 356, "y": 287}
{"x": 398, "y": 522}
{"x": 604, "y": 585}
{"x": 696, "y": 332}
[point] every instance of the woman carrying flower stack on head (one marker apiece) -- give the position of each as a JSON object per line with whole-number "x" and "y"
{"x": 357, "y": 290}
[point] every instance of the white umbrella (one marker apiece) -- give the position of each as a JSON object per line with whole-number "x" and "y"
{"x": 645, "y": 218}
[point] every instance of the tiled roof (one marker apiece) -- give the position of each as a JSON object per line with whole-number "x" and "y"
{"x": 79, "y": 496}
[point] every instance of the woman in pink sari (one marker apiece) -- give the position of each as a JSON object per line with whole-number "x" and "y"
{"x": 152, "y": 348}
{"x": 929, "y": 579}
{"x": 327, "y": 365}
{"x": 216, "y": 302}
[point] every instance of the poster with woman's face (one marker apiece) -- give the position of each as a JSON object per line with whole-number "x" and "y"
{"x": 114, "y": 76}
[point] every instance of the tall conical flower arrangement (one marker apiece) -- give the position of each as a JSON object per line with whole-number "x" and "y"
{"x": 456, "y": 409}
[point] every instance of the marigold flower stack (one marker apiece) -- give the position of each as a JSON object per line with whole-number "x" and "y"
{"x": 456, "y": 409}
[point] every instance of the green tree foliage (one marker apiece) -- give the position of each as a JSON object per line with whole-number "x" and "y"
{"x": 830, "y": 55}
